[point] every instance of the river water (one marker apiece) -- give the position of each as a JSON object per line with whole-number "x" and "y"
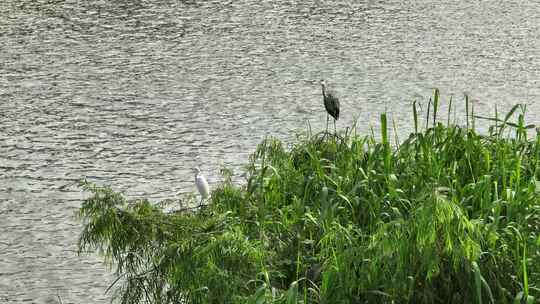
{"x": 133, "y": 93}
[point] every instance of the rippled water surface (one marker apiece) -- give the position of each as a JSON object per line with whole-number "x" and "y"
{"x": 133, "y": 93}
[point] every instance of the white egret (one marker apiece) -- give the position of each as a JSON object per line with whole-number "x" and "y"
{"x": 202, "y": 184}
{"x": 331, "y": 104}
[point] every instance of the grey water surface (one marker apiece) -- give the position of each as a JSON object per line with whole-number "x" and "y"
{"x": 133, "y": 93}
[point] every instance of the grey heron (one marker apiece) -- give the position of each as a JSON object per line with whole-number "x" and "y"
{"x": 202, "y": 184}
{"x": 331, "y": 104}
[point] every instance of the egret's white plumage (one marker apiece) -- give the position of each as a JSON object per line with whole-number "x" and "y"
{"x": 202, "y": 184}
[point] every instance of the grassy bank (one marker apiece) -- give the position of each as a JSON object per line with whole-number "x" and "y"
{"x": 445, "y": 216}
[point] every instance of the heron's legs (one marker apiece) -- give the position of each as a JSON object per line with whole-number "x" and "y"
{"x": 335, "y": 131}
{"x": 327, "y": 118}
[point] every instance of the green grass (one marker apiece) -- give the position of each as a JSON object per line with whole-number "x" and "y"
{"x": 446, "y": 216}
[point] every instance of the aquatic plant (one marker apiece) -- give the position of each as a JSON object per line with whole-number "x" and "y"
{"x": 448, "y": 215}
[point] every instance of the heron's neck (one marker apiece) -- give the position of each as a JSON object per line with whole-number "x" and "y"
{"x": 323, "y": 90}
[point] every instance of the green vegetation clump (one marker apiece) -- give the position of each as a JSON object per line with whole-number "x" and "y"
{"x": 446, "y": 216}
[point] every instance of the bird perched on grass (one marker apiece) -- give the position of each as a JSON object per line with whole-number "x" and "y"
{"x": 331, "y": 104}
{"x": 202, "y": 185}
